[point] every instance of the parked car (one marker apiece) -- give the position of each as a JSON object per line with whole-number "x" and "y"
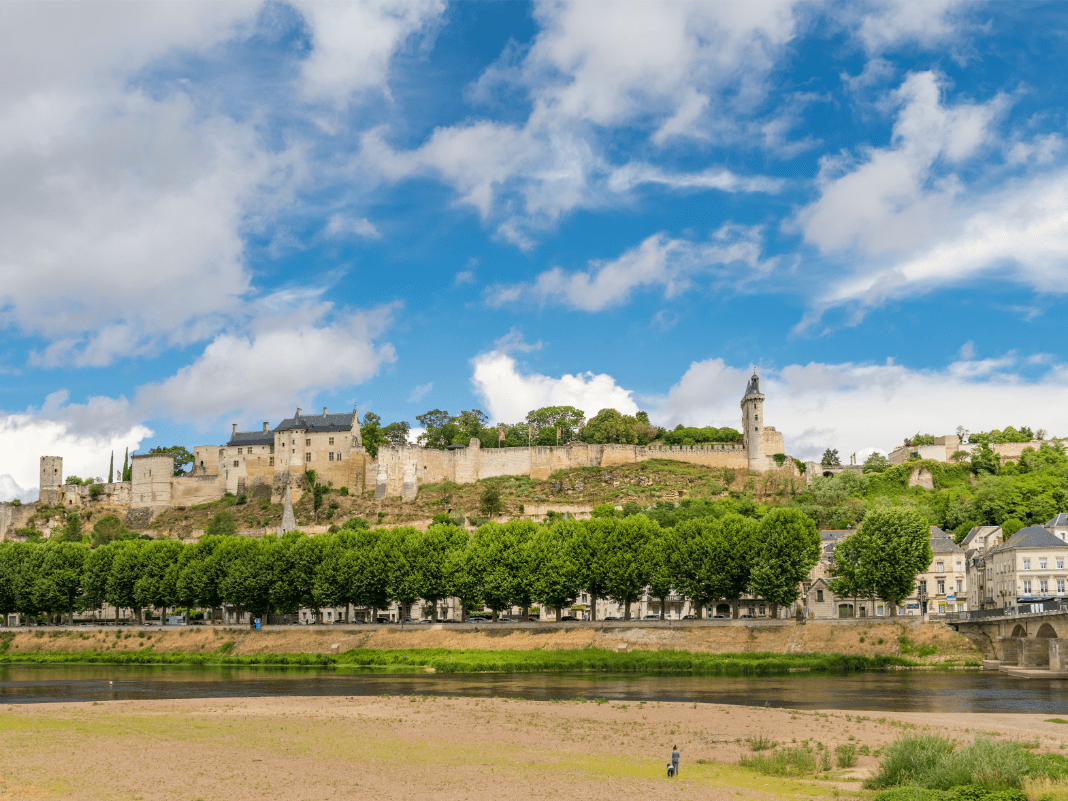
{"x": 478, "y": 620}
{"x": 651, "y": 617}
{"x": 610, "y": 618}
{"x": 689, "y": 617}
{"x": 722, "y": 617}
{"x": 568, "y": 617}
{"x": 425, "y": 620}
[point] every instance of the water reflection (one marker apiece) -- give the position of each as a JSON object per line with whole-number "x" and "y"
{"x": 900, "y": 691}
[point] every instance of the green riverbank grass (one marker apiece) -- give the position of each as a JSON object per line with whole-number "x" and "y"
{"x": 443, "y": 660}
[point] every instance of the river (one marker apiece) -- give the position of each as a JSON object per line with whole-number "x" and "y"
{"x": 892, "y": 691}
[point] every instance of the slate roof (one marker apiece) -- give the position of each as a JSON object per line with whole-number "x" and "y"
{"x": 835, "y": 534}
{"x": 1059, "y": 520}
{"x": 937, "y": 532}
{"x": 1034, "y": 537}
{"x": 944, "y": 545}
{"x": 317, "y": 422}
{"x": 252, "y": 438}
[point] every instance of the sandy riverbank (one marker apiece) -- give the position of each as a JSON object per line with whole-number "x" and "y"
{"x": 425, "y": 747}
{"x": 931, "y": 642}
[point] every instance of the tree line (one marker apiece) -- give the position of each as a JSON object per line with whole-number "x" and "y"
{"x": 497, "y": 567}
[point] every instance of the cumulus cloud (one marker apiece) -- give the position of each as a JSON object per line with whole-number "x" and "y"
{"x": 266, "y": 373}
{"x": 732, "y": 254}
{"x": 121, "y": 212}
{"x": 340, "y": 225}
{"x": 85, "y": 435}
{"x": 861, "y": 408}
{"x": 419, "y": 392}
{"x": 668, "y": 70}
{"x": 905, "y": 219}
{"x": 509, "y": 393}
{"x": 353, "y": 43}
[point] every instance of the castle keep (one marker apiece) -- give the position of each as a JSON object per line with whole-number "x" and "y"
{"x": 263, "y": 463}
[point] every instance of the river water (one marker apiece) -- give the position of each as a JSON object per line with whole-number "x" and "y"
{"x": 892, "y": 691}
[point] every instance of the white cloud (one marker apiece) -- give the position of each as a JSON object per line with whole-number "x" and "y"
{"x": 268, "y": 372}
{"x": 509, "y": 393}
{"x": 85, "y": 435}
{"x": 733, "y": 254}
{"x": 340, "y": 225}
{"x": 419, "y": 392}
{"x": 865, "y": 407}
{"x": 670, "y": 70}
{"x": 121, "y": 211}
{"x": 928, "y": 23}
{"x": 353, "y": 43}
{"x": 464, "y": 277}
{"x": 903, "y": 219}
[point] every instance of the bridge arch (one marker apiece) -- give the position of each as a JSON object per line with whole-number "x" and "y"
{"x": 1046, "y": 631}
{"x": 1019, "y": 631}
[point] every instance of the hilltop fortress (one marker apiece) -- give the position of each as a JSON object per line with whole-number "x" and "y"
{"x": 263, "y": 463}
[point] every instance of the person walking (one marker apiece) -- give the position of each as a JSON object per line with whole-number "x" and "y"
{"x": 675, "y": 759}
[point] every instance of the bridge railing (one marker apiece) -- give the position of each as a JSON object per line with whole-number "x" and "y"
{"x": 1035, "y": 608}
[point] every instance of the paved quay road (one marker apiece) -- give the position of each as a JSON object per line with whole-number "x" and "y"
{"x": 890, "y": 691}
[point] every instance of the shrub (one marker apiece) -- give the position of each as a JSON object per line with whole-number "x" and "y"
{"x": 846, "y": 754}
{"x": 760, "y": 743}
{"x": 96, "y": 490}
{"x": 356, "y": 524}
{"x": 222, "y": 525}
{"x": 441, "y": 518}
{"x": 342, "y": 490}
{"x": 796, "y": 761}
{"x": 489, "y": 500}
{"x": 603, "y": 510}
{"x": 16, "y": 502}
{"x": 929, "y": 761}
{"x": 241, "y": 499}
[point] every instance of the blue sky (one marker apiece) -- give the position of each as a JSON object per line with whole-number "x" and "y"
{"x": 214, "y": 213}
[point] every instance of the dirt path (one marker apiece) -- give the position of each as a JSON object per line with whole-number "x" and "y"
{"x": 423, "y": 747}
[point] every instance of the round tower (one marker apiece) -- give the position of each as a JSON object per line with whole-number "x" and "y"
{"x": 51, "y": 479}
{"x": 753, "y": 425}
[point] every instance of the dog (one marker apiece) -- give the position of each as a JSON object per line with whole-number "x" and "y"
{"x": 671, "y": 770}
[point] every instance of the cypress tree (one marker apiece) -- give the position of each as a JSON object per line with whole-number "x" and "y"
{"x": 125, "y": 461}
{"x": 111, "y": 468}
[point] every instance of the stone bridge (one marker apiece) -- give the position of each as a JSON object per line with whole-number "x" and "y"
{"x": 1022, "y": 641}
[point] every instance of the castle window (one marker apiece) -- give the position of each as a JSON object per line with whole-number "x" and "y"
{"x": 307, "y": 457}
{"x": 235, "y": 462}
{"x": 272, "y": 461}
{"x": 331, "y": 440}
{"x": 819, "y": 596}
{"x": 271, "y": 450}
{"x": 308, "y": 442}
{"x": 222, "y": 451}
{"x": 331, "y": 456}
{"x": 239, "y": 451}
{"x": 339, "y": 456}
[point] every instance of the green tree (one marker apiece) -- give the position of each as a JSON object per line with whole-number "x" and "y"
{"x": 661, "y": 577}
{"x": 498, "y": 564}
{"x": 371, "y": 433}
{"x": 222, "y": 525}
{"x": 548, "y": 419}
{"x": 247, "y": 578}
{"x": 72, "y": 531}
{"x": 830, "y": 458}
{"x": 788, "y": 547}
{"x": 127, "y": 566}
{"x": 589, "y": 547}
{"x": 432, "y": 563}
{"x": 610, "y": 426}
{"x": 403, "y": 545}
{"x": 182, "y": 457}
{"x": 1010, "y": 527}
{"x": 627, "y": 541}
{"x": 490, "y": 503}
{"x": 876, "y": 463}
{"x": 443, "y": 430}
{"x": 396, "y": 434}
{"x": 108, "y": 529}
{"x": 295, "y": 559}
{"x": 317, "y": 490}
{"x": 556, "y": 577}
{"x": 127, "y": 472}
{"x": 895, "y": 547}
{"x": 111, "y": 468}
{"x": 985, "y": 461}
{"x": 155, "y": 586}
{"x": 12, "y": 557}
{"x": 710, "y": 558}
{"x": 60, "y": 580}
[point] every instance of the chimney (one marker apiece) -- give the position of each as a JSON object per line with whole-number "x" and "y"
{"x": 298, "y": 411}
{"x": 266, "y": 427}
{"x": 234, "y": 431}
{"x": 324, "y": 411}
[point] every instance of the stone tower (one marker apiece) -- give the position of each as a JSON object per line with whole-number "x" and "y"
{"x": 51, "y": 479}
{"x": 753, "y": 425}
